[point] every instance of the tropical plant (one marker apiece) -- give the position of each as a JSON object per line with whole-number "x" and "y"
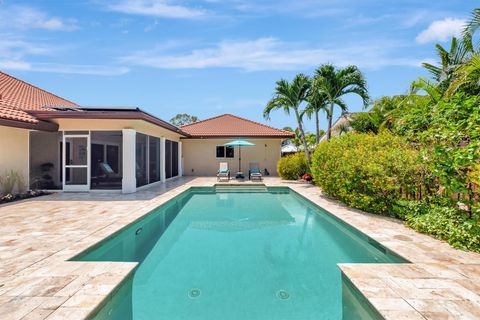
{"x": 450, "y": 61}
{"x": 296, "y": 140}
{"x": 317, "y": 101}
{"x": 363, "y": 122}
{"x": 183, "y": 119}
{"x": 472, "y": 26}
{"x": 335, "y": 83}
{"x": 289, "y": 97}
{"x": 444, "y": 222}
{"x": 311, "y": 139}
{"x": 467, "y": 78}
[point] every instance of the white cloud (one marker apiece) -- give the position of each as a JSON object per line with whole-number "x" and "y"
{"x": 270, "y": 54}
{"x": 441, "y": 30}
{"x": 157, "y": 8}
{"x": 97, "y": 70}
{"x": 16, "y": 54}
{"x": 23, "y": 17}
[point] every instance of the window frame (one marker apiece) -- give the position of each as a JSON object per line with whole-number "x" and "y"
{"x": 225, "y": 152}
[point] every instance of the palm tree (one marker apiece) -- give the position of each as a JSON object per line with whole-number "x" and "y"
{"x": 296, "y": 140}
{"x": 317, "y": 101}
{"x": 289, "y": 97}
{"x": 472, "y": 26}
{"x": 450, "y": 61}
{"x": 467, "y": 78}
{"x": 335, "y": 83}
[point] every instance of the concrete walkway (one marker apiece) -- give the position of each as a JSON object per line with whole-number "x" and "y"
{"x": 38, "y": 236}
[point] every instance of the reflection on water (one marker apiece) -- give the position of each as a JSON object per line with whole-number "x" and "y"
{"x": 259, "y": 255}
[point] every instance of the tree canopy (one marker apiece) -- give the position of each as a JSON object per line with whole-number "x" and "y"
{"x": 183, "y": 119}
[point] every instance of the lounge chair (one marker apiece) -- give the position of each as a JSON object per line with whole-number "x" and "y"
{"x": 254, "y": 172}
{"x": 223, "y": 172}
{"x": 107, "y": 174}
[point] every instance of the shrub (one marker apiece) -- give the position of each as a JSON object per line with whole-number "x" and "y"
{"x": 446, "y": 223}
{"x": 366, "y": 171}
{"x": 292, "y": 166}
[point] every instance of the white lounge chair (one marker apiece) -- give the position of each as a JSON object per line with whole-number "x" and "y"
{"x": 254, "y": 172}
{"x": 223, "y": 172}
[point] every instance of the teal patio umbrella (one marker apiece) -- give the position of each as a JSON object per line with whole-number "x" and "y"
{"x": 240, "y": 144}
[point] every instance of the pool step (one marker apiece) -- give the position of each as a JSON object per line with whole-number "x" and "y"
{"x": 240, "y": 188}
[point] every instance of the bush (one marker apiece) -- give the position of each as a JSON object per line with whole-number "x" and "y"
{"x": 366, "y": 171}
{"x": 292, "y": 166}
{"x": 446, "y": 223}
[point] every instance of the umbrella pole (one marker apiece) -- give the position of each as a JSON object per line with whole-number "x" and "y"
{"x": 239, "y": 158}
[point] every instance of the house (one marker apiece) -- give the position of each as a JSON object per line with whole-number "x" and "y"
{"x": 288, "y": 149}
{"x": 340, "y": 126}
{"x": 57, "y": 144}
{"x": 204, "y": 147}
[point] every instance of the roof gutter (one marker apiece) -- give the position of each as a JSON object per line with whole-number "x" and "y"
{"x": 40, "y": 125}
{"x": 112, "y": 115}
{"x": 241, "y": 137}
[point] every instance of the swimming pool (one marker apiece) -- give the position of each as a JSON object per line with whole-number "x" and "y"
{"x": 238, "y": 253}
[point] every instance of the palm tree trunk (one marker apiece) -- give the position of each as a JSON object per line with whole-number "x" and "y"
{"x": 302, "y": 135}
{"x": 317, "y": 133}
{"x": 330, "y": 117}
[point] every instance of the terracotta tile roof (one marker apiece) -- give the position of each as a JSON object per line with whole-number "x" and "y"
{"x": 17, "y": 97}
{"x": 10, "y": 113}
{"x": 228, "y": 125}
{"x": 22, "y": 95}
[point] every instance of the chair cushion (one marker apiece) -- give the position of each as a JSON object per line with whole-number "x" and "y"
{"x": 106, "y": 167}
{"x": 254, "y": 171}
{"x": 223, "y": 171}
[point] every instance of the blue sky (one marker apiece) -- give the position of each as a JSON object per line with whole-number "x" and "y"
{"x": 216, "y": 56}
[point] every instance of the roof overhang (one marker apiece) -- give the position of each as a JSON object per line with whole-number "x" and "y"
{"x": 240, "y": 137}
{"x": 113, "y": 114}
{"x": 40, "y": 125}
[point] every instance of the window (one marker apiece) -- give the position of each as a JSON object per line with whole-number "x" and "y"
{"x": 220, "y": 152}
{"x": 225, "y": 152}
{"x": 229, "y": 152}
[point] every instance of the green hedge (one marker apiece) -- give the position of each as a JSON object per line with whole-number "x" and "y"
{"x": 366, "y": 171}
{"x": 292, "y": 166}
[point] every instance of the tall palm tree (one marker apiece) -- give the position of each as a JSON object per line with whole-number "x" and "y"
{"x": 335, "y": 83}
{"x": 289, "y": 97}
{"x": 317, "y": 101}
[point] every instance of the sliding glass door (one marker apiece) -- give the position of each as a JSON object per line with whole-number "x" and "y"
{"x": 147, "y": 159}
{"x": 171, "y": 159}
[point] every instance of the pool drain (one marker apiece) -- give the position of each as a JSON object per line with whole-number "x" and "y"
{"x": 194, "y": 293}
{"x": 283, "y": 295}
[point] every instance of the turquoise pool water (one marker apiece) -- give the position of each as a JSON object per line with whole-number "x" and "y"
{"x": 238, "y": 254}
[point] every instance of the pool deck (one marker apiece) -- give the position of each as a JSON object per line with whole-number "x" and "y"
{"x": 38, "y": 236}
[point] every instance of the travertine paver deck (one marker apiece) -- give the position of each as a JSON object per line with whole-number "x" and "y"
{"x": 37, "y": 237}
